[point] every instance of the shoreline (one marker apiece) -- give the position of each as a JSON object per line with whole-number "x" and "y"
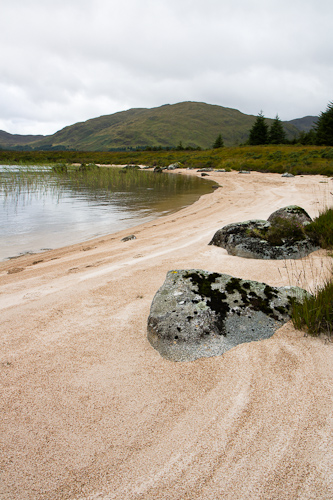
{"x": 91, "y": 411}
{"x": 51, "y": 245}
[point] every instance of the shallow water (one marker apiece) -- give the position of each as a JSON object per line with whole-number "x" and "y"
{"x": 40, "y": 209}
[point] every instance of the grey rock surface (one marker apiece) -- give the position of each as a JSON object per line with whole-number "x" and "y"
{"x": 239, "y": 239}
{"x": 291, "y": 212}
{"x": 287, "y": 174}
{"x": 198, "y": 313}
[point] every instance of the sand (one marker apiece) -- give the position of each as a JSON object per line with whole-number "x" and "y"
{"x": 90, "y": 411}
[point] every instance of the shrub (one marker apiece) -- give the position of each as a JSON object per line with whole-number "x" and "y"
{"x": 315, "y": 313}
{"x": 321, "y": 229}
{"x": 281, "y": 229}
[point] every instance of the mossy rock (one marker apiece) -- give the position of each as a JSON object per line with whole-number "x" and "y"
{"x": 198, "y": 314}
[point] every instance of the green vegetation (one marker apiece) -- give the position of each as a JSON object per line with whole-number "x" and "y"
{"x": 324, "y": 127}
{"x": 218, "y": 142}
{"x": 277, "y": 134}
{"x": 193, "y": 124}
{"x": 315, "y": 313}
{"x": 321, "y": 229}
{"x": 280, "y": 230}
{"x": 296, "y": 159}
{"x": 259, "y": 131}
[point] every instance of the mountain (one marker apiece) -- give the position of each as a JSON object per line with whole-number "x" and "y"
{"x": 304, "y": 124}
{"x": 10, "y": 140}
{"x": 191, "y": 123}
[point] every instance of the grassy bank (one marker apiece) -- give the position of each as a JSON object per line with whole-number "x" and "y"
{"x": 298, "y": 160}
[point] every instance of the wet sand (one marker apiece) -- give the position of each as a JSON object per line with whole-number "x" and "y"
{"x": 90, "y": 411}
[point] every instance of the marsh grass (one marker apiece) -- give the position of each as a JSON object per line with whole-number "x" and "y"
{"x": 314, "y": 314}
{"x": 321, "y": 229}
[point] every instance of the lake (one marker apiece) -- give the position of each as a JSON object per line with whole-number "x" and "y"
{"x": 42, "y": 209}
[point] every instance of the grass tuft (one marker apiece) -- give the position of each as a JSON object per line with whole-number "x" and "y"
{"x": 315, "y": 314}
{"x": 321, "y": 229}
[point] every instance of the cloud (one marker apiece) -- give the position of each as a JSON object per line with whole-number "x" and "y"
{"x": 64, "y": 62}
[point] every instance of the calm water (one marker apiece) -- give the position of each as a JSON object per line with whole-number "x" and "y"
{"x": 40, "y": 209}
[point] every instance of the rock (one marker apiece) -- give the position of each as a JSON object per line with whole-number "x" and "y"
{"x": 287, "y": 174}
{"x": 243, "y": 239}
{"x": 131, "y": 167}
{"x": 128, "y": 238}
{"x": 158, "y": 170}
{"x": 205, "y": 170}
{"x": 221, "y": 170}
{"x": 202, "y": 314}
{"x": 174, "y": 166}
{"x": 204, "y": 174}
{"x": 244, "y": 171}
{"x": 292, "y": 212}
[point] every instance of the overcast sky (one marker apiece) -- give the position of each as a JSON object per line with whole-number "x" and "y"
{"x": 65, "y": 61}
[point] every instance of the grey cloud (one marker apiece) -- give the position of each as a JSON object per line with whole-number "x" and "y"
{"x": 64, "y": 62}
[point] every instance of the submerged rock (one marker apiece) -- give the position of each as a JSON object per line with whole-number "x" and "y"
{"x": 247, "y": 239}
{"x": 198, "y": 313}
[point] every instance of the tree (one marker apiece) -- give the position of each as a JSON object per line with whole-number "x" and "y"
{"x": 218, "y": 142}
{"x": 324, "y": 127}
{"x": 259, "y": 131}
{"x": 276, "y": 134}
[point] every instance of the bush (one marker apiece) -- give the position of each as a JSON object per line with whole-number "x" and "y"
{"x": 321, "y": 229}
{"x": 315, "y": 313}
{"x": 281, "y": 229}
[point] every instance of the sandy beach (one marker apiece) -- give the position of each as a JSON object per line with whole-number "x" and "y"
{"x": 90, "y": 411}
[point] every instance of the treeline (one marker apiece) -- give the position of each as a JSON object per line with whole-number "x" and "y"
{"x": 320, "y": 135}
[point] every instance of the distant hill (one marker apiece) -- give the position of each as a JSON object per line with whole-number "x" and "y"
{"x": 194, "y": 124}
{"x": 10, "y": 140}
{"x": 304, "y": 124}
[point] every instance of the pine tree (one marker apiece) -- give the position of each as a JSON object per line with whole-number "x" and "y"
{"x": 276, "y": 134}
{"x": 259, "y": 131}
{"x": 218, "y": 142}
{"x": 324, "y": 127}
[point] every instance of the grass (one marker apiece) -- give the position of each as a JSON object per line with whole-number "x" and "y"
{"x": 315, "y": 314}
{"x": 298, "y": 160}
{"x": 321, "y": 229}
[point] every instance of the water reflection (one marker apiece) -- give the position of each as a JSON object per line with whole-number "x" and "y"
{"x": 43, "y": 209}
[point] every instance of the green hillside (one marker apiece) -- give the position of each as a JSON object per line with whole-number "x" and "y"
{"x": 193, "y": 124}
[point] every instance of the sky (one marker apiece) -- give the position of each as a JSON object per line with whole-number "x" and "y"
{"x": 65, "y": 61}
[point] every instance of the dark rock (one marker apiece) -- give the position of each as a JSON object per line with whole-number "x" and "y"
{"x": 205, "y": 170}
{"x": 244, "y": 238}
{"x": 202, "y": 314}
{"x": 158, "y": 170}
{"x": 204, "y": 174}
{"x": 128, "y": 238}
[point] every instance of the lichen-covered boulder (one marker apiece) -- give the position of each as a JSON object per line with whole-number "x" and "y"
{"x": 292, "y": 213}
{"x": 248, "y": 239}
{"x": 198, "y": 313}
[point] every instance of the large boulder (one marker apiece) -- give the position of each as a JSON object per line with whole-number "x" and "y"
{"x": 255, "y": 239}
{"x": 201, "y": 314}
{"x": 292, "y": 213}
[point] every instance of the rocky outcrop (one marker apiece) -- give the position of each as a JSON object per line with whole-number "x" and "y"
{"x": 202, "y": 314}
{"x": 293, "y": 213}
{"x": 251, "y": 239}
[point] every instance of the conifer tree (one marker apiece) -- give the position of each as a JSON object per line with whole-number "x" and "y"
{"x": 276, "y": 134}
{"x": 259, "y": 131}
{"x": 218, "y": 142}
{"x": 324, "y": 127}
